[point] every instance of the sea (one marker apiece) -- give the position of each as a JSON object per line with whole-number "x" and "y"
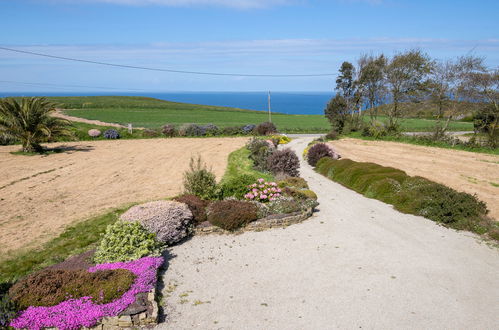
{"x": 304, "y": 103}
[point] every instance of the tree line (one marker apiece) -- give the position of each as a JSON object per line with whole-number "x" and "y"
{"x": 412, "y": 76}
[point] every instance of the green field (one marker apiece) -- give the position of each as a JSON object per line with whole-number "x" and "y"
{"x": 153, "y": 113}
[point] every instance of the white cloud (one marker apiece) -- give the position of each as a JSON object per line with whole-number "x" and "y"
{"x": 239, "y": 4}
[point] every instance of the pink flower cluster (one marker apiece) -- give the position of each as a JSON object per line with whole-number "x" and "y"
{"x": 75, "y": 313}
{"x": 263, "y": 191}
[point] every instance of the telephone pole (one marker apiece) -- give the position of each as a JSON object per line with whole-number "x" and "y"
{"x": 270, "y": 111}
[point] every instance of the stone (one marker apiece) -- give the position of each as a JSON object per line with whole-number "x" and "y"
{"x": 111, "y": 321}
{"x": 125, "y": 321}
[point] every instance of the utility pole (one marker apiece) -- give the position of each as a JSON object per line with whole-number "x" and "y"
{"x": 270, "y": 110}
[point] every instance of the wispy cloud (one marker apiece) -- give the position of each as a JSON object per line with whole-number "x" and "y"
{"x": 238, "y": 4}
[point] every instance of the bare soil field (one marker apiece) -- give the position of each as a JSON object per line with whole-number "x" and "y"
{"x": 41, "y": 195}
{"x": 470, "y": 172}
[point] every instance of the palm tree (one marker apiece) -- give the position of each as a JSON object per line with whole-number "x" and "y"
{"x": 30, "y": 122}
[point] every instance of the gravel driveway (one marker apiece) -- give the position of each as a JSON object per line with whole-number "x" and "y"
{"x": 356, "y": 264}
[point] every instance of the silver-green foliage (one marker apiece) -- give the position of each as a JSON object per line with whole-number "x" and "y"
{"x": 126, "y": 241}
{"x": 199, "y": 180}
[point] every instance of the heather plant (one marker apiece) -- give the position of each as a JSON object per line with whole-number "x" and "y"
{"x": 231, "y": 214}
{"x": 111, "y": 134}
{"x": 210, "y": 130}
{"x": 83, "y": 312}
{"x": 94, "y": 133}
{"x": 170, "y": 221}
{"x": 169, "y": 130}
{"x": 284, "y": 161}
{"x": 266, "y": 128}
{"x": 126, "y": 241}
{"x": 263, "y": 191}
{"x": 196, "y": 205}
{"x": 150, "y": 133}
{"x": 284, "y": 205}
{"x": 295, "y": 182}
{"x": 318, "y": 151}
{"x": 191, "y": 130}
{"x": 232, "y": 130}
{"x": 260, "y": 150}
{"x": 51, "y": 287}
{"x": 8, "y": 310}
{"x": 248, "y": 129}
{"x": 199, "y": 180}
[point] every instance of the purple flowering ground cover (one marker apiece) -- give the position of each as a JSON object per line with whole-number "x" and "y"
{"x": 75, "y": 313}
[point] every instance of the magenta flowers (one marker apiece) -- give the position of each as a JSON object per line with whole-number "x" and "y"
{"x": 75, "y": 313}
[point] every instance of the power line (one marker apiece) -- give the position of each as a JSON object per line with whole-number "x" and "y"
{"x": 169, "y": 70}
{"x": 70, "y": 86}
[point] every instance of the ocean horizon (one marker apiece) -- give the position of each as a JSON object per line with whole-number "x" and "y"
{"x": 297, "y": 103}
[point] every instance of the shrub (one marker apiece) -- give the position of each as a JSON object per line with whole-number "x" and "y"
{"x": 375, "y": 129}
{"x": 248, "y": 129}
{"x": 210, "y": 130}
{"x": 236, "y": 187}
{"x": 111, "y": 134}
{"x": 231, "y": 130}
{"x": 169, "y": 130}
{"x": 231, "y": 214}
{"x": 299, "y": 194}
{"x": 196, "y": 205}
{"x": 284, "y": 161}
{"x": 191, "y": 130}
{"x": 266, "y": 128}
{"x": 284, "y": 205}
{"x": 295, "y": 182}
{"x": 51, "y": 287}
{"x": 332, "y": 135}
{"x": 169, "y": 220}
{"x": 262, "y": 209}
{"x": 8, "y": 310}
{"x": 126, "y": 241}
{"x": 280, "y": 139}
{"x": 318, "y": 151}
{"x": 262, "y": 191}
{"x": 199, "y": 180}
{"x": 260, "y": 151}
{"x": 150, "y": 133}
{"x": 94, "y": 133}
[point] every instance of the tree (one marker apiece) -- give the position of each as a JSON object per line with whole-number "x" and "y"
{"x": 30, "y": 122}
{"x": 372, "y": 80}
{"x": 405, "y": 77}
{"x": 337, "y": 112}
{"x": 348, "y": 87}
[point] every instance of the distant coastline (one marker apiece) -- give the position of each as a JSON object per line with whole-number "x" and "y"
{"x": 304, "y": 103}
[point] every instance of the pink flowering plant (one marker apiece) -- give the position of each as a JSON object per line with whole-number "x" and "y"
{"x": 83, "y": 312}
{"x": 263, "y": 191}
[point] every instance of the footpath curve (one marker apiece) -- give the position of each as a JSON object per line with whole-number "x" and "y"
{"x": 357, "y": 263}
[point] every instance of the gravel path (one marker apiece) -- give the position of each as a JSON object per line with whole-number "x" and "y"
{"x": 356, "y": 264}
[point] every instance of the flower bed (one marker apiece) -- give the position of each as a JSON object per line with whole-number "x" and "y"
{"x": 75, "y": 313}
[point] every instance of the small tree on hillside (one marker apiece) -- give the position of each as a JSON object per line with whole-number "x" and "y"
{"x": 372, "y": 80}
{"x": 337, "y": 113}
{"x": 405, "y": 77}
{"x": 30, "y": 122}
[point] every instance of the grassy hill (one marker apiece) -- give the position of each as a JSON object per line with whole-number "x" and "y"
{"x": 153, "y": 113}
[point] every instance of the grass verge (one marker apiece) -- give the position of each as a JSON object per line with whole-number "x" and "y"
{"x": 412, "y": 195}
{"x": 239, "y": 164}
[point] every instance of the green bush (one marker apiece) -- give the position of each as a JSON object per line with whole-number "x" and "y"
{"x": 231, "y": 214}
{"x": 8, "y": 310}
{"x": 51, "y": 287}
{"x": 260, "y": 151}
{"x": 414, "y": 195}
{"x": 126, "y": 241}
{"x": 236, "y": 186}
{"x": 199, "y": 180}
{"x": 295, "y": 182}
{"x": 299, "y": 194}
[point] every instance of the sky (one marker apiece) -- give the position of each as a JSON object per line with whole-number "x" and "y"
{"x": 262, "y": 37}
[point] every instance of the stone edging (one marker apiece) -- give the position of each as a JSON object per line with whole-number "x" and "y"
{"x": 258, "y": 225}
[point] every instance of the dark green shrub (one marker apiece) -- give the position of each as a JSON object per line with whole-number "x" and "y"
{"x": 196, "y": 205}
{"x": 299, "y": 194}
{"x": 126, "y": 241}
{"x": 237, "y": 186}
{"x": 232, "y": 130}
{"x": 169, "y": 130}
{"x": 199, "y": 180}
{"x": 266, "y": 128}
{"x": 332, "y": 135}
{"x": 8, "y": 310}
{"x": 384, "y": 190}
{"x": 191, "y": 130}
{"x": 51, "y": 287}
{"x": 296, "y": 182}
{"x": 231, "y": 214}
{"x": 375, "y": 129}
{"x": 318, "y": 151}
{"x": 260, "y": 151}
{"x": 210, "y": 130}
{"x": 284, "y": 161}
{"x": 111, "y": 134}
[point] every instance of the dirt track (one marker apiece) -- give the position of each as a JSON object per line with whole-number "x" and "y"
{"x": 470, "y": 172}
{"x": 40, "y": 195}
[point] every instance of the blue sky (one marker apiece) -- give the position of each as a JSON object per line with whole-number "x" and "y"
{"x": 243, "y": 36}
